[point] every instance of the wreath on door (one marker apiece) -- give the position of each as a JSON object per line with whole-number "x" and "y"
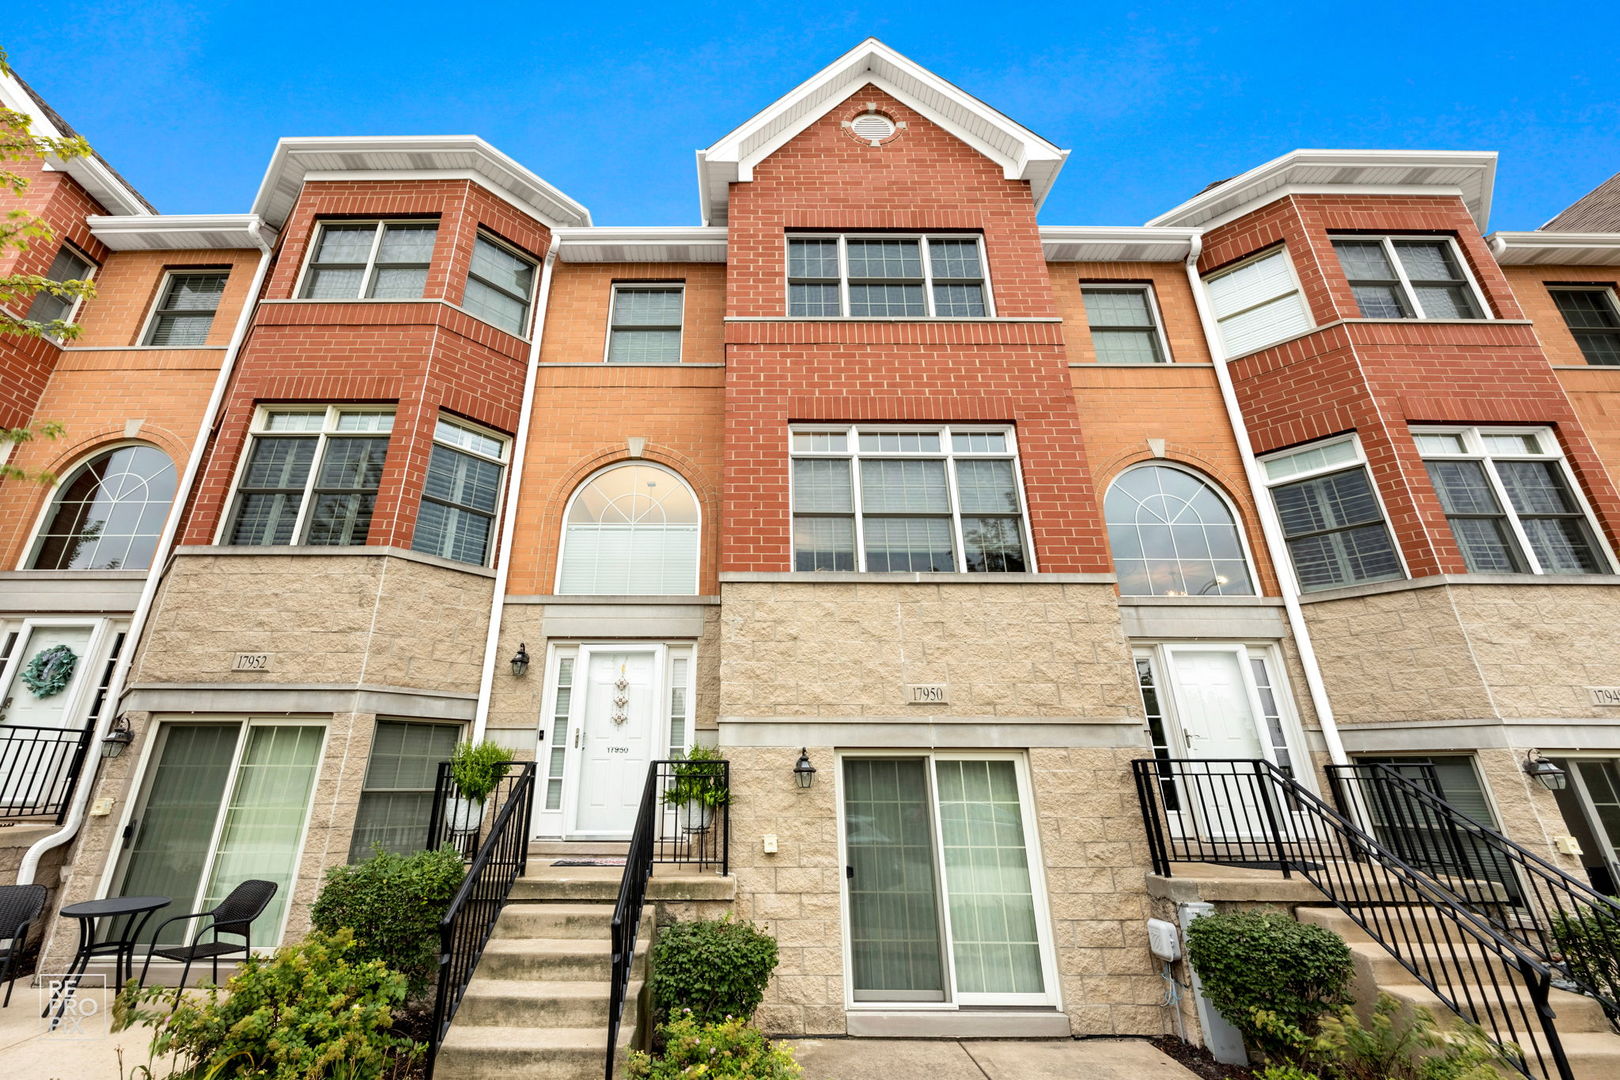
{"x": 49, "y": 671}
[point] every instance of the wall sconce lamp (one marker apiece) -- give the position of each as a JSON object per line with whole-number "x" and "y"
{"x": 118, "y": 736}
{"x": 1551, "y": 776}
{"x": 803, "y": 771}
{"x": 520, "y": 662}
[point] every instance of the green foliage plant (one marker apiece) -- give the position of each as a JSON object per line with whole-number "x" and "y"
{"x": 477, "y": 768}
{"x": 1249, "y": 960}
{"x": 1590, "y": 943}
{"x": 1398, "y": 1043}
{"x": 711, "y": 969}
{"x": 310, "y": 1012}
{"x": 392, "y": 904}
{"x": 728, "y": 1050}
{"x": 695, "y": 780}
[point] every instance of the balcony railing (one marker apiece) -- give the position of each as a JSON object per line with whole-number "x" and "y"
{"x": 39, "y": 769}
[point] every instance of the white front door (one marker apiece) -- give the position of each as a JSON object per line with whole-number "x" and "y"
{"x": 617, "y": 731}
{"x": 1219, "y": 712}
{"x": 39, "y": 732}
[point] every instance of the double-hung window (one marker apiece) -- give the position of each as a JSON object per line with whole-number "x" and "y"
{"x": 645, "y": 324}
{"x": 69, "y": 265}
{"x": 462, "y": 493}
{"x": 396, "y": 800}
{"x": 1593, "y": 316}
{"x": 185, "y": 309}
{"x": 310, "y": 476}
{"x": 908, "y": 500}
{"x": 1407, "y": 277}
{"x": 500, "y": 286}
{"x": 883, "y": 276}
{"x": 1331, "y": 517}
{"x": 1125, "y": 325}
{"x": 373, "y": 260}
{"x": 1512, "y": 506}
{"x": 1257, "y": 302}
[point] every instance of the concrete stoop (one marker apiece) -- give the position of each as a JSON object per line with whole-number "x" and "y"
{"x": 537, "y": 1007}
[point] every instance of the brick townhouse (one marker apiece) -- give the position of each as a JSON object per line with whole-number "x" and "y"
{"x": 872, "y": 466}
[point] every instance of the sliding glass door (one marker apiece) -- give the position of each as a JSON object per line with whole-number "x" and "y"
{"x": 941, "y": 897}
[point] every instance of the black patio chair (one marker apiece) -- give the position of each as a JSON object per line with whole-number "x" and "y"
{"x": 233, "y": 915}
{"x": 20, "y": 905}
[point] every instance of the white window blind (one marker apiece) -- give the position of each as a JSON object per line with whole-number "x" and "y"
{"x": 1257, "y": 303}
{"x": 632, "y": 530}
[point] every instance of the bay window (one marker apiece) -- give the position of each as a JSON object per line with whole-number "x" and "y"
{"x": 372, "y": 260}
{"x": 1407, "y": 277}
{"x": 310, "y": 476}
{"x": 1331, "y": 518}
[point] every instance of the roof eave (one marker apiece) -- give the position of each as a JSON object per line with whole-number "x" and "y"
{"x": 180, "y": 232}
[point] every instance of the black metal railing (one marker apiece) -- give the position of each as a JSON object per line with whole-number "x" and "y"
{"x": 497, "y": 860}
{"x": 1571, "y": 926}
{"x": 39, "y": 769}
{"x": 1253, "y": 813}
{"x": 453, "y": 820}
{"x": 684, "y": 818}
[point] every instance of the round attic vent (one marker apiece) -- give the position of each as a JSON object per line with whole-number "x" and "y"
{"x": 873, "y": 126}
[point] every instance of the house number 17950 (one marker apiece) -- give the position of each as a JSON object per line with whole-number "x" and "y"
{"x": 618, "y": 749}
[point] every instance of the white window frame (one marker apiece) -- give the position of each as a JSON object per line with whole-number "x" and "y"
{"x": 1359, "y": 461}
{"x": 1298, "y": 290}
{"x": 504, "y": 461}
{"x": 369, "y": 271}
{"x": 568, "y": 508}
{"x": 36, "y": 536}
{"x": 854, "y": 455}
{"x": 1053, "y": 996}
{"x": 927, "y": 268}
{"x": 146, "y": 771}
{"x": 74, "y": 308}
{"x": 1387, "y": 242}
{"x": 405, "y": 721}
{"x": 553, "y": 824}
{"x": 613, "y": 305}
{"x": 1232, "y": 508}
{"x": 1475, "y": 449}
{"x": 1145, "y": 287}
{"x": 327, "y": 430}
{"x": 1609, "y": 296}
{"x": 517, "y": 253}
{"x": 163, "y": 289}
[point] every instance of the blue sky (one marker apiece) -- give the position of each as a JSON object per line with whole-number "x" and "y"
{"x": 608, "y": 101}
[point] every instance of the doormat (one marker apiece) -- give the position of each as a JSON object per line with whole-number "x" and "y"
{"x": 605, "y": 860}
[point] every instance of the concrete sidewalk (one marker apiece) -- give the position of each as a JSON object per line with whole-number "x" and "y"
{"x": 985, "y": 1059}
{"x": 88, "y": 1050}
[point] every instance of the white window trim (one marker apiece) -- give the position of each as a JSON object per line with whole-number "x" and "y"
{"x": 504, "y": 461}
{"x": 1298, "y": 290}
{"x": 41, "y": 519}
{"x": 163, "y": 289}
{"x": 77, "y": 305}
{"x": 1609, "y": 295}
{"x": 1053, "y": 996}
{"x": 854, "y": 454}
{"x": 568, "y": 508}
{"x": 1474, "y": 449}
{"x": 369, "y": 270}
{"x": 1220, "y": 493}
{"x": 327, "y": 430}
{"x": 528, "y": 304}
{"x": 927, "y": 268}
{"x": 1157, "y": 316}
{"x": 1360, "y": 461}
{"x": 1387, "y": 243}
{"x": 613, "y": 304}
{"x": 144, "y": 774}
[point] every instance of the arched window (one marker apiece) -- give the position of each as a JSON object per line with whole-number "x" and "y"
{"x": 109, "y": 513}
{"x": 1174, "y": 535}
{"x": 630, "y": 530}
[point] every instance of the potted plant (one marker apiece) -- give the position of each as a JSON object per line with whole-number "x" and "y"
{"x": 696, "y": 789}
{"x": 476, "y": 768}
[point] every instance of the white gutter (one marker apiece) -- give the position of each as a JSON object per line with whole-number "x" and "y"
{"x": 143, "y": 606}
{"x": 514, "y": 481}
{"x": 1270, "y": 526}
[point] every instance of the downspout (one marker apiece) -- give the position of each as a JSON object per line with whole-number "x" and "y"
{"x": 503, "y": 565}
{"x": 160, "y": 558}
{"x": 1270, "y": 526}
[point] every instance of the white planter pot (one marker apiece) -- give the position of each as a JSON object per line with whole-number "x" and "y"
{"x": 463, "y": 815}
{"x": 695, "y": 817}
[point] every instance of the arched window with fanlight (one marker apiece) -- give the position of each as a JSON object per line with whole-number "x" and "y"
{"x": 109, "y": 512}
{"x": 1174, "y": 534}
{"x": 630, "y": 530}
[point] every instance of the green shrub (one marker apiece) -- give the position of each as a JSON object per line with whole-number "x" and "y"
{"x": 393, "y": 903}
{"x": 729, "y": 1050}
{"x": 1590, "y": 943}
{"x": 1266, "y": 960}
{"x": 1396, "y": 1045}
{"x": 712, "y": 968}
{"x": 310, "y": 1011}
{"x": 698, "y": 783}
{"x": 478, "y": 767}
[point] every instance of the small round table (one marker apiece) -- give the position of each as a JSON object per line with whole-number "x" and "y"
{"x": 120, "y": 941}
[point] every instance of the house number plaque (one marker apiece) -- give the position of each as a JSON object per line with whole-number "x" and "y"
{"x": 1604, "y": 695}
{"x": 928, "y": 694}
{"x": 251, "y": 661}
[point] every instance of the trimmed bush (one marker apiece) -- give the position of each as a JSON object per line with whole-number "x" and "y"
{"x": 1590, "y": 942}
{"x": 712, "y": 969}
{"x": 1267, "y": 961}
{"x": 393, "y": 903}
{"x": 729, "y": 1050}
{"x": 311, "y": 1010}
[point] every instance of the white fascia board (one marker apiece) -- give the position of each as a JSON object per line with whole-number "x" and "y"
{"x": 179, "y": 232}
{"x": 89, "y": 171}
{"x": 1070, "y": 243}
{"x": 1548, "y": 248}
{"x": 413, "y": 155}
{"x": 1352, "y": 170}
{"x": 650, "y": 243}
